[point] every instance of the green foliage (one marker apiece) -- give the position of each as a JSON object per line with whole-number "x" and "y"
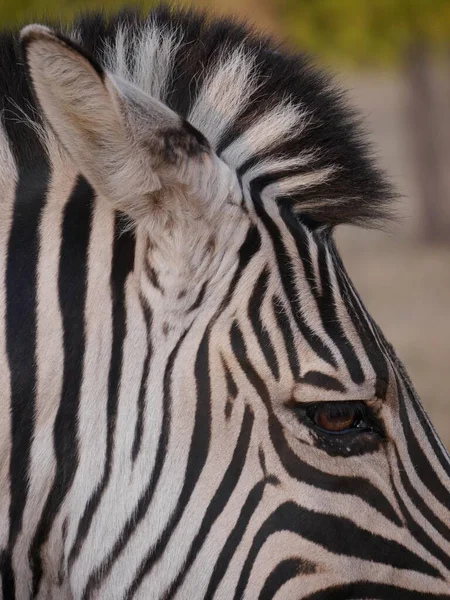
{"x": 20, "y": 11}
{"x": 365, "y": 32}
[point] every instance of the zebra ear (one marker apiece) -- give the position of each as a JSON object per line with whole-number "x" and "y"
{"x": 128, "y": 145}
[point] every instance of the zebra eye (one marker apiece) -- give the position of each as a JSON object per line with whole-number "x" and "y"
{"x": 340, "y": 417}
{"x": 350, "y": 428}
{"x": 334, "y": 422}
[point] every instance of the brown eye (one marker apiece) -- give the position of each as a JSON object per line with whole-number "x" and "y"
{"x": 336, "y": 417}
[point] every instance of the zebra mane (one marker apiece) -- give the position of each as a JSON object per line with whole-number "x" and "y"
{"x": 281, "y": 123}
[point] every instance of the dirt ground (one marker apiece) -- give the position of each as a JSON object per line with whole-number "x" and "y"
{"x": 405, "y": 284}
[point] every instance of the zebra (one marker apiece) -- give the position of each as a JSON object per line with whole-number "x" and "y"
{"x": 195, "y": 403}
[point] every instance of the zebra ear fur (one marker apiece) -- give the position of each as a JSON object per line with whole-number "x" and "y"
{"x": 127, "y": 144}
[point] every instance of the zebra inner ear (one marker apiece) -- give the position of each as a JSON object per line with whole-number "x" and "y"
{"x": 130, "y": 146}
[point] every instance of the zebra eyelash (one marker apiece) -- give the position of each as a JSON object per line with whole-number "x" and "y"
{"x": 365, "y": 435}
{"x": 363, "y": 414}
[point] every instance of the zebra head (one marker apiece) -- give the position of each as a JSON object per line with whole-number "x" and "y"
{"x": 243, "y": 428}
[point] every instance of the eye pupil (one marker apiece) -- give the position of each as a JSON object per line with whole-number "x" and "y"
{"x": 339, "y": 421}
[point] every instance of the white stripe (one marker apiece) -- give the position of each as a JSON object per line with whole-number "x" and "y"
{"x": 289, "y": 186}
{"x": 281, "y": 123}
{"x": 226, "y": 90}
{"x": 8, "y": 179}
{"x": 155, "y": 51}
{"x": 115, "y": 54}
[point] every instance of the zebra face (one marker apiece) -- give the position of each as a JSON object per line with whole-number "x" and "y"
{"x": 345, "y": 447}
{"x": 231, "y": 423}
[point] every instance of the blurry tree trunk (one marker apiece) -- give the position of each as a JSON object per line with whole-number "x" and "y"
{"x": 423, "y": 122}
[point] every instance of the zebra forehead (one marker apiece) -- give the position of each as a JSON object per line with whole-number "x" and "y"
{"x": 266, "y": 111}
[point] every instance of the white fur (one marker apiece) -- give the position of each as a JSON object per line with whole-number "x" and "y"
{"x": 214, "y": 109}
{"x": 8, "y": 178}
{"x": 276, "y": 126}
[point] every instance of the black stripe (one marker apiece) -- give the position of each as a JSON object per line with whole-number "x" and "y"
{"x": 201, "y": 296}
{"x": 337, "y": 535}
{"x": 285, "y": 328}
{"x": 220, "y": 499}
{"x": 7, "y": 576}
{"x": 247, "y": 251}
{"x": 302, "y": 242}
{"x": 323, "y": 381}
{"x": 21, "y": 301}
{"x": 232, "y": 390}
{"x": 366, "y": 589}
{"x": 152, "y": 276}
{"x": 122, "y": 263}
{"x": 254, "y": 314}
{"x": 231, "y": 385}
{"x": 140, "y": 413}
{"x": 283, "y": 572}
{"x": 362, "y": 323}
{"x": 72, "y": 286}
{"x": 330, "y": 320}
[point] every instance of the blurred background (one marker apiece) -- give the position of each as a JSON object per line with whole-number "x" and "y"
{"x": 393, "y": 57}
